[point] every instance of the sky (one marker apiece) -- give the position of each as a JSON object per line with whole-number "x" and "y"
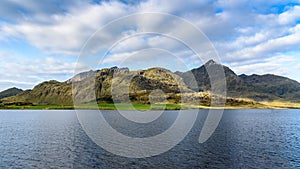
{"x": 41, "y": 40}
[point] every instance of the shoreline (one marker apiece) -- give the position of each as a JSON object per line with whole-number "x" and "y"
{"x": 147, "y": 107}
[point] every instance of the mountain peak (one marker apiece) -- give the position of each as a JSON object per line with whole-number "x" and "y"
{"x": 10, "y": 92}
{"x": 210, "y": 62}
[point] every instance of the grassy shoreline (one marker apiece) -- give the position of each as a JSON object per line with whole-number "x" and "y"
{"x": 106, "y": 106}
{"x": 145, "y": 107}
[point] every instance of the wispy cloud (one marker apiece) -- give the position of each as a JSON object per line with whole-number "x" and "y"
{"x": 273, "y": 65}
{"x": 26, "y": 73}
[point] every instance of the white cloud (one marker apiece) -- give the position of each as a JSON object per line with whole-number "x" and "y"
{"x": 65, "y": 33}
{"x": 2, "y": 54}
{"x": 26, "y": 73}
{"x": 290, "y": 16}
{"x": 280, "y": 65}
{"x": 136, "y": 43}
{"x": 147, "y": 58}
{"x": 270, "y": 47}
{"x": 131, "y": 44}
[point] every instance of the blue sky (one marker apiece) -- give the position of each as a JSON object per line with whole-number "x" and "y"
{"x": 41, "y": 40}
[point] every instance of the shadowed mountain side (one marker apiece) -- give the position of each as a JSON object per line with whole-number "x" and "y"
{"x": 10, "y": 92}
{"x": 258, "y": 87}
{"x": 271, "y": 87}
{"x": 201, "y": 76}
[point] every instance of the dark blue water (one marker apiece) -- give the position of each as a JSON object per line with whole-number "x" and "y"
{"x": 243, "y": 139}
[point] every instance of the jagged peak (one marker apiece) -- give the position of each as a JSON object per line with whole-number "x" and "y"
{"x": 211, "y": 62}
{"x": 243, "y": 76}
{"x": 158, "y": 69}
{"x": 116, "y": 68}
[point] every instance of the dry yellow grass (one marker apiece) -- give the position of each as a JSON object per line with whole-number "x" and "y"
{"x": 281, "y": 104}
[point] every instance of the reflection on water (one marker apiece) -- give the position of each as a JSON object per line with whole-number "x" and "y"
{"x": 244, "y": 139}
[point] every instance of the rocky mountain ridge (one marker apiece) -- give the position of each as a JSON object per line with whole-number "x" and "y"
{"x": 122, "y": 85}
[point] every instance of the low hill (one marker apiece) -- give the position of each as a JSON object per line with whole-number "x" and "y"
{"x": 10, "y": 92}
{"x": 49, "y": 92}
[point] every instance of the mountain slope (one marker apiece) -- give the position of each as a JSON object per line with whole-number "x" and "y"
{"x": 233, "y": 82}
{"x": 276, "y": 87}
{"x": 49, "y": 92}
{"x": 10, "y": 92}
{"x": 258, "y": 87}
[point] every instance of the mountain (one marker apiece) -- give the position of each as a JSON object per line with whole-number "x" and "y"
{"x": 121, "y": 85}
{"x": 139, "y": 83}
{"x": 272, "y": 87}
{"x": 49, "y": 92}
{"x": 121, "y": 82}
{"x": 257, "y": 87}
{"x": 202, "y": 79}
{"x": 10, "y": 92}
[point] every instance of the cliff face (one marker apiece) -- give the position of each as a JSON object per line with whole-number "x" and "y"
{"x": 122, "y": 85}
